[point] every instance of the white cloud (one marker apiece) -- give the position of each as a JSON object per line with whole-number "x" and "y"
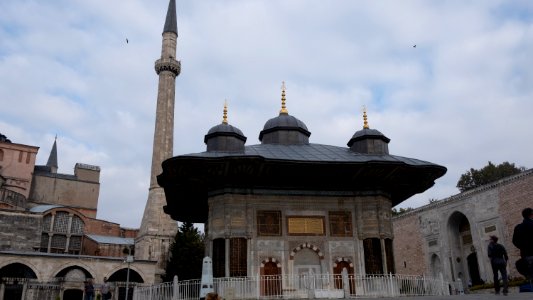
{"x": 462, "y": 97}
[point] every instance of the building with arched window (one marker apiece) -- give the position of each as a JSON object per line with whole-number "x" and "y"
{"x": 49, "y": 232}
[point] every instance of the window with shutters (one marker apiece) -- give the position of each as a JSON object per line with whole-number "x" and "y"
{"x": 219, "y": 258}
{"x": 238, "y": 254}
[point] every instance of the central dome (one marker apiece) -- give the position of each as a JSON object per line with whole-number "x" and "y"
{"x": 284, "y": 129}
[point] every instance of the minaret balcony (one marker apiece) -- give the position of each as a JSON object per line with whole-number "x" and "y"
{"x": 168, "y": 64}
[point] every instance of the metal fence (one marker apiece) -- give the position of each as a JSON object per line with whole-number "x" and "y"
{"x": 28, "y": 289}
{"x": 303, "y": 286}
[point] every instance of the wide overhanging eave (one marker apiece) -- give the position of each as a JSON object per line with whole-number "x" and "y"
{"x": 188, "y": 180}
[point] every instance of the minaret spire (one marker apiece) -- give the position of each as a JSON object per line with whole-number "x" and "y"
{"x": 157, "y": 228}
{"x": 171, "y": 23}
{"x": 52, "y": 159}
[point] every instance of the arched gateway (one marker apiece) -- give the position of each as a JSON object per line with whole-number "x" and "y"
{"x": 271, "y": 277}
{"x": 292, "y": 200}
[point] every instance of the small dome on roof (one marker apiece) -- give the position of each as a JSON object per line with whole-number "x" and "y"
{"x": 284, "y": 129}
{"x": 225, "y": 128}
{"x": 286, "y": 121}
{"x": 366, "y": 133}
{"x": 369, "y": 141}
{"x": 225, "y": 137}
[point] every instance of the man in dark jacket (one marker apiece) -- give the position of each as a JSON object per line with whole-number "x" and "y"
{"x": 523, "y": 240}
{"x": 498, "y": 261}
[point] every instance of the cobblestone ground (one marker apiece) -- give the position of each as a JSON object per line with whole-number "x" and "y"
{"x": 514, "y": 296}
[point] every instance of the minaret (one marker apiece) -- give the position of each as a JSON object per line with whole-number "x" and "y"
{"x": 157, "y": 228}
{"x": 52, "y": 159}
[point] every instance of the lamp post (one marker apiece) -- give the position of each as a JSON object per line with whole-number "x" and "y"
{"x": 129, "y": 260}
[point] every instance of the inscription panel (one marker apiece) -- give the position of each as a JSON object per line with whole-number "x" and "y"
{"x": 312, "y": 225}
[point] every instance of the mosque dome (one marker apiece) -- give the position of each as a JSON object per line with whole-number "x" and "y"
{"x": 284, "y": 129}
{"x": 225, "y": 137}
{"x": 366, "y": 133}
{"x": 369, "y": 141}
{"x": 224, "y": 129}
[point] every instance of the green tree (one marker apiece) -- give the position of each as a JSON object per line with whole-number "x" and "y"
{"x": 186, "y": 254}
{"x": 397, "y": 212}
{"x": 433, "y": 200}
{"x": 474, "y": 178}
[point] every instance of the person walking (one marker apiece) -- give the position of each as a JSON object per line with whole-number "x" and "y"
{"x": 498, "y": 261}
{"x": 106, "y": 293}
{"x": 523, "y": 240}
{"x": 89, "y": 289}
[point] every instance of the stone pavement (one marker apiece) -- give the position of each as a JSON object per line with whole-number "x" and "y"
{"x": 481, "y": 296}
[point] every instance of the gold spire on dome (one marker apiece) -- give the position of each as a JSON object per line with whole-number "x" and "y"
{"x": 225, "y": 117}
{"x": 283, "y": 108}
{"x": 365, "y": 120}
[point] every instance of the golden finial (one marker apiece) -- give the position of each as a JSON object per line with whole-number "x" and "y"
{"x": 365, "y": 124}
{"x": 225, "y": 117}
{"x": 283, "y": 108}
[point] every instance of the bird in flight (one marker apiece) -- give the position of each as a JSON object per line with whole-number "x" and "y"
{"x": 126, "y": 41}
{"x": 414, "y": 46}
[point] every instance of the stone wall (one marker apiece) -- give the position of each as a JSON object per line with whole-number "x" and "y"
{"x": 66, "y": 190}
{"x": 102, "y": 227}
{"x": 409, "y": 246}
{"x": 91, "y": 247}
{"x": 16, "y": 166}
{"x": 20, "y": 231}
{"x": 513, "y": 198}
{"x": 433, "y": 235}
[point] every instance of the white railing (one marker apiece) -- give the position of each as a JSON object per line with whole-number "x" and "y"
{"x": 305, "y": 286}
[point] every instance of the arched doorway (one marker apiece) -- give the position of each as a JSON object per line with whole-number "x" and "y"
{"x": 119, "y": 279}
{"x": 73, "y": 278}
{"x": 74, "y": 273}
{"x": 473, "y": 269}
{"x": 72, "y": 294}
{"x": 270, "y": 278}
{"x": 338, "y": 267}
{"x": 436, "y": 266}
{"x": 306, "y": 259}
{"x": 461, "y": 245}
{"x": 13, "y": 276}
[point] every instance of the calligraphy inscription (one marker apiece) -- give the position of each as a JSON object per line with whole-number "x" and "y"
{"x": 305, "y": 225}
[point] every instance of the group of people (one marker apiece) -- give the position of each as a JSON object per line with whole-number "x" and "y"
{"x": 523, "y": 240}
{"x": 104, "y": 290}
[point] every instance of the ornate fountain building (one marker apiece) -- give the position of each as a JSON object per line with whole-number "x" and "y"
{"x": 288, "y": 206}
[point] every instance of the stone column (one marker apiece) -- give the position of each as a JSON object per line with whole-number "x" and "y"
{"x": 383, "y": 256}
{"x": 227, "y": 256}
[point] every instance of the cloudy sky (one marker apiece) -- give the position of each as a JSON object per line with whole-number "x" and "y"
{"x": 462, "y": 97}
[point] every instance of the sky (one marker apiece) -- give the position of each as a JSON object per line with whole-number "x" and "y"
{"x": 462, "y": 97}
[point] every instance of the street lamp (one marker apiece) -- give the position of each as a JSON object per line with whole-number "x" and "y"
{"x": 129, "y": 260}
